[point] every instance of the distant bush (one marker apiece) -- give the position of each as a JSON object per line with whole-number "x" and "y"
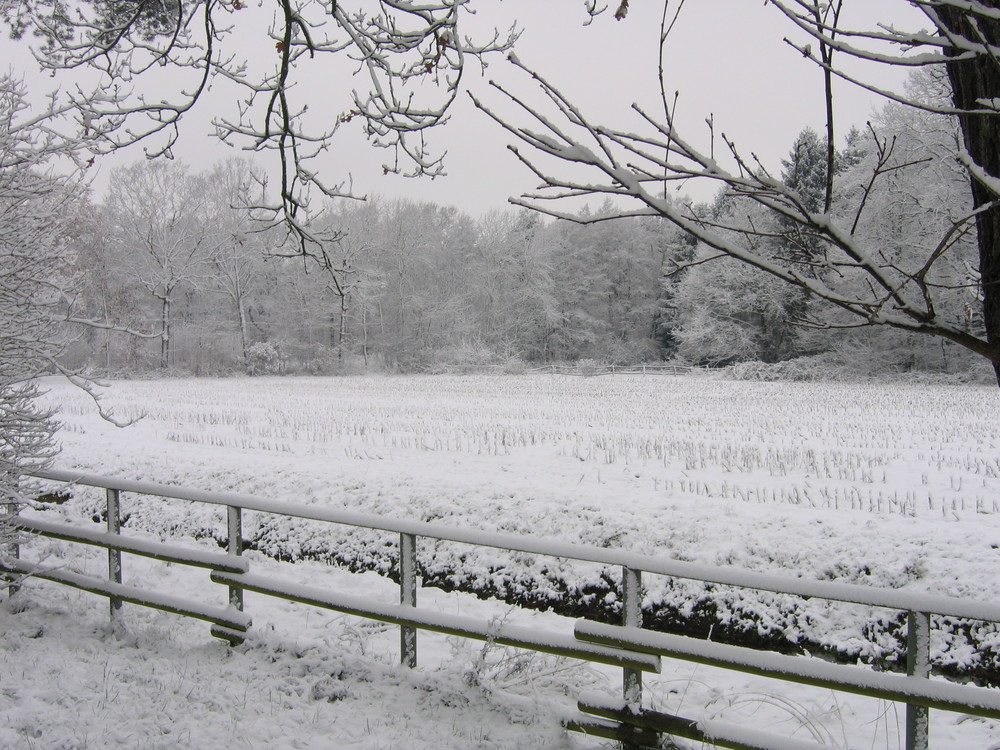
{"x": 324, "y": 363}
{"x": 973, "y": 376}
{"x": 347, "y": 364}
{"x": 627, "y": 353}
{"x": 466, "y": 358}
{"x": 264, "y": 358}
{"x": 515, "y": 366}
{"x": 802, "y": 369}
{"x": 833, "y": 366}
{"x": 589, "y": 367}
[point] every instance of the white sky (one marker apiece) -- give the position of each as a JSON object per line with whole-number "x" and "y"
{"x": 725, "y": 57}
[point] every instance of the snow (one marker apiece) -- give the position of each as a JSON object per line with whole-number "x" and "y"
{"x": 302, "y": 680}
{"x": 933, "y": 693}
{"x": 449, "y": 624}
{"x": 552, "y": 548}
{"x": 225, "y": 616}
{"x": 753, "y": 738}
{"x": 889, "y": 485}
{"x": 157, "y": 550}
{"x": 720, "y": 731}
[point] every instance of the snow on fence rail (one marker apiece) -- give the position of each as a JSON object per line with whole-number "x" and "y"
{"x": 628, "y": 646}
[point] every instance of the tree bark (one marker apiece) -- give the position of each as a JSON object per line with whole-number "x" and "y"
{"x": 243, "y": 327}
{"x": 971, "y": 81}
{"x": 165, "y": 335}
{"x": 343, "y": 327}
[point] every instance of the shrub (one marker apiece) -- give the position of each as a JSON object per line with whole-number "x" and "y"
{"x": 264, "y": 358}
{"x": 515, "y": 366}
{"x": 589, "y": 367}
{"x": 803, "y": 369}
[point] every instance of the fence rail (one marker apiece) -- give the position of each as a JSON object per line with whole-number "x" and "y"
{"x": 628, "y": 646}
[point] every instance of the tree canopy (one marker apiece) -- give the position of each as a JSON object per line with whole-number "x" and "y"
{"x": 573, "y": 155}
{"x": 412, "y": 57}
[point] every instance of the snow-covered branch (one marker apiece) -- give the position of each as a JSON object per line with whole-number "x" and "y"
{"x": 410, "y": 56}
{"x": 784, "y": 227}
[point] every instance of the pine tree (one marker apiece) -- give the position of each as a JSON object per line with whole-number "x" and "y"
{"x": 805, "y": 170}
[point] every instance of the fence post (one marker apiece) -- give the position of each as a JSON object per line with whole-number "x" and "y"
{"x": 234, "y": 545}
{"x": 631, "y": 618}
{"x": 114, "y": 499}
{"x": 408, "y": 596}
{"x": 918, "y": 664}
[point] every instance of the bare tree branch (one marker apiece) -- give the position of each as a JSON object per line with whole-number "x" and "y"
{"x": 575, "y": 157}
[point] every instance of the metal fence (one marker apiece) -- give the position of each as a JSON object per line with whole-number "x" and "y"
{"x": 628, "y": 646}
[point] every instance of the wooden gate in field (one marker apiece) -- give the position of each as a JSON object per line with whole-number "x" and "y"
{"x": 628, "y": 646}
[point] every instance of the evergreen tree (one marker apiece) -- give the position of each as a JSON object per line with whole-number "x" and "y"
{"x": 804, "y": 171}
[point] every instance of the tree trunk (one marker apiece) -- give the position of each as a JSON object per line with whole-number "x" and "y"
{"x": 243, "y": 327}
{"x": 364, "y": 332}
{"x": 238, "y": 295}
{"x": 971, "y": 81}
{"x": 343, "y": 327}
{"x": 165, "y": 335}
{"x": 107, "y": 336}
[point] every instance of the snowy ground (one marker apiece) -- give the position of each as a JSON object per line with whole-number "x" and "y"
{"x": 305, "y": 679}
{"x": 309, "y": 678}
{"x": 892, "y": 485}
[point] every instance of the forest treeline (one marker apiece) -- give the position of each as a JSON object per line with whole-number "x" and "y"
{"x": 173, "y": 274}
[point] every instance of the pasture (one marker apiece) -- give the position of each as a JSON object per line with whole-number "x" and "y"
{"x": 893, "y": 485}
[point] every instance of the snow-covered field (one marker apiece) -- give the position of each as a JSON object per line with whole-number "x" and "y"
{"x": 891, "y": 485}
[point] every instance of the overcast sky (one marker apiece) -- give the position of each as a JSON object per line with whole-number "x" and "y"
{"x": 725, "y": 57}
